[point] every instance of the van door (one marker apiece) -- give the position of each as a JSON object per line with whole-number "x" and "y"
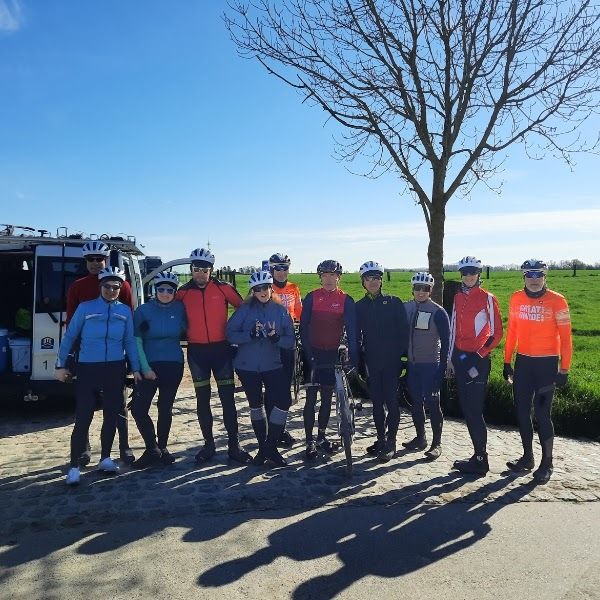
{"x": 56, "y": 267}
{"x": 130, "y": 265}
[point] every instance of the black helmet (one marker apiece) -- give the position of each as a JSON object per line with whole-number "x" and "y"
{"x": 533, "y": 264}
{"x": 329, "y": 266}
{"x": 279, "y": 259}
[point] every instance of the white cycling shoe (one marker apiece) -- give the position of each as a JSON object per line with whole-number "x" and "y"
{"x": 73, "y": 476}
{"x": 108, "y": 465}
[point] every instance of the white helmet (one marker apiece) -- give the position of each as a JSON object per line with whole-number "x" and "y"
{"x": 370, "y": 265}
{"x": 422, "y": 277}
{"x": 166, "y": 277}
{"x": 203, "y": 255}
{"x": 469, "y": 261}
{"x": 111, "y": 273}
{"x": 95, "y": 249}
{"x": 260, "y": 277}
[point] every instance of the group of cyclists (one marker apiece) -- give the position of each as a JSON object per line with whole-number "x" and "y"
{"x": 413, "y": 344}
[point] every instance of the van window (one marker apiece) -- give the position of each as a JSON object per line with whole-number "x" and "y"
{"x": 54, "y": 275}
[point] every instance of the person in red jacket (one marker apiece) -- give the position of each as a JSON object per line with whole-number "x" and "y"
{"x": 475, "y": 330}
{"x": 539, "y": 329}
{"x": 206, "y": 300}
{"x": 87, "y": 288}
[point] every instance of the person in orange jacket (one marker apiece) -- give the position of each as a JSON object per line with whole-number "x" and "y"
{"x": 539, "y": 329}
{"x": 288, "y": 294}
{"x": 475, "y": 330}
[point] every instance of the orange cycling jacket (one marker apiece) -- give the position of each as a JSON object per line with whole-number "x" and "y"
{"x": 476, "y": 324}
{"x": 206, "y": 309}
{"x": 289, "y": 296}
{"x": 539, "y": 327}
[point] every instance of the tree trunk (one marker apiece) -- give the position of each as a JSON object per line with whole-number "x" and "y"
{"x": 435, "y": 250}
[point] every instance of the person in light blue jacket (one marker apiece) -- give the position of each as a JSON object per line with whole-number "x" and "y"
{"x": 104, "y": 327}
{"x": 260, "y": 327}
{"x": 159, "y": 326}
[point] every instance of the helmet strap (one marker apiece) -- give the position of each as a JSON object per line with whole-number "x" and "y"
{"x": 279, "y": 284}
{"x": 537, "y": 294}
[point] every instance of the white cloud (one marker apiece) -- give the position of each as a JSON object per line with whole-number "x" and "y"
{"x": 11, "y": 15}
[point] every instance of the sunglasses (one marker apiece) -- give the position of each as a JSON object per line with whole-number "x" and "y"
{"x": 261, "y": 288}
{"x": 281, "y": 268}
{"x": 201, "y": 269}
{"x": 469, "y": 271}
{"x": 111, "y": 288}
{"x": 95, "y": 258}
{"x": 421, "y": 288}
{"x": 166, "y": 290}
{"x": 534, "y": 274}
{"x": 372, "y": 277}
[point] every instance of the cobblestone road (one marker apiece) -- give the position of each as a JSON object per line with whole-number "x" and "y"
{"x": 33, "y": 462}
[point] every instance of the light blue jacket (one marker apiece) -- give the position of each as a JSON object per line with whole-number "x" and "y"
{"x": 259, "y": 354}
{"x": 106, "y": 333}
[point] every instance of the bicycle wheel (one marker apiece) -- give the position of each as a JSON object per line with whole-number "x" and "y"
{"x": 298, "y": 374}
{"x": 345, "y": 416}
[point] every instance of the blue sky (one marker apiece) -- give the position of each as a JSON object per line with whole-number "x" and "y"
{"x": 139, "y": 117}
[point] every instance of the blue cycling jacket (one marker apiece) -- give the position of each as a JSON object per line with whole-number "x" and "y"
{"x": 105, "y": 330}
{"x": 259, "y": 354}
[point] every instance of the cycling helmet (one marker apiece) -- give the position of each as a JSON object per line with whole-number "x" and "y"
{"x": 329, "y": 266}
{"x": 111, "y": 273}
{"x": 202, "y": 255}
{"x": 166, "y": 277}
{"x": 370, "y": 266}
{"x": 279, "y": 258}
{"x": 533, "y": 264}
{"x": 422, "y": 277}
{"x": 469, "y": 261}
{"x": 95, "y": 249}
{"x": 260, "y": 277}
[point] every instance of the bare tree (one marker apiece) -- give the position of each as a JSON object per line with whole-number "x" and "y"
{"x": 434, "y": 90}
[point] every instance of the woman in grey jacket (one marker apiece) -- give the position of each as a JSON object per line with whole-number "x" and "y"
{"x": 260, "y": 327}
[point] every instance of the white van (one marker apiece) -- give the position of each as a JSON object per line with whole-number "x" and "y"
{"x": 36, "y": 270}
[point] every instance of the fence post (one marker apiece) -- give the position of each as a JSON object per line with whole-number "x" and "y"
{"x": 487, "y": 272}
{"x": 389, "y": 275}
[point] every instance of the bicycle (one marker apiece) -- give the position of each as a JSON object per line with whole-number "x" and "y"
{"x": 298, "y": 373}
{"x": 345, "y": 404}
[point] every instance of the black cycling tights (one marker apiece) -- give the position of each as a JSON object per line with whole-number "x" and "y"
{"x": 324, "y": 410}
{"x": 169, "y": 376}
{"x": 534, "y": 384}
{"x": 93, "y": 378}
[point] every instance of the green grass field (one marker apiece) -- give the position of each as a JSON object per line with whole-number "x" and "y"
{"x": 576, "y": 407}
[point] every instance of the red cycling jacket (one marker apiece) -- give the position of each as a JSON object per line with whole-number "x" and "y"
{"x": 289, "y": 295}
{"x": 206, "y": 309}
{"x": 476, "y": 322}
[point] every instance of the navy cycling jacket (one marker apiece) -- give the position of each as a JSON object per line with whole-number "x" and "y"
{"x": 383, "y": 329}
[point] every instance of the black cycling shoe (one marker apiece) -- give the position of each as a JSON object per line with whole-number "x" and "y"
{"x": 387, "y": 453}
{"x": 477, "y": 465}
{"x": 376, "y": 448}
{"x": 311, "y": 451}
{"x": 434, "y": 452}
{"x": 205, "y": 454}
{"x": 85, "y": 458}
{"x": 543, "y": 473}
{"x": 417, "y": 443}
{"x": 521, "y": 465}
{"x": 276, "y": 458}
{"x": 238, "y": 454}
{"x": 166, "y": 457}
{"x": 286, "y": 440}
{"x": 324, "y": 445}
{"x": 149, "y": 458}
{"x": 259, "y": 458}
{"x": 127, "y": 456}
